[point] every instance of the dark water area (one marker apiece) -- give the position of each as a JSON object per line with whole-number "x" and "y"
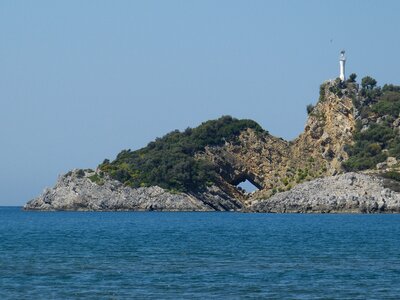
{"x": 150, "y": 255}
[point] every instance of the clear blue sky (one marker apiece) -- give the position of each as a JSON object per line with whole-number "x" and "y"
{"x": 81, "y": 80}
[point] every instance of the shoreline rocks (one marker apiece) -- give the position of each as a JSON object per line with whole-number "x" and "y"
{"x": 76, "y": 191}
{"x": 345, "y": 193}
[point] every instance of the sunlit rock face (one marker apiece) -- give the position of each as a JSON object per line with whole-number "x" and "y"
{"x": 275, "y": 165}
{"x": 344, "y": 193}
{"x": 76, "y": 191}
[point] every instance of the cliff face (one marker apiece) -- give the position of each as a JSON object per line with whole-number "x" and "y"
{"x": 274, "y": 165}
{"x": 329, "y": 128}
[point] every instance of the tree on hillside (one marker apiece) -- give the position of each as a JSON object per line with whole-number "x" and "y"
{"x": 368, "y": 83}
{"x": 352, "y": 77}
{"x": 310, "y": 108}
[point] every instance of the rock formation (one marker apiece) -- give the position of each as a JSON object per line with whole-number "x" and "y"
{"x": 275, "y": 165}
{"x": 76, "y": 191}
{"x": 304, "y": 175}
{"x": 349, "y": 192}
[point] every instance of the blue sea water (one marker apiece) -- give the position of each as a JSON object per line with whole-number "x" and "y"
{"x": 150, "y": 255}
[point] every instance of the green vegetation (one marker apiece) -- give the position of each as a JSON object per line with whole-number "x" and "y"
{"x": 367, "y": 149}
{"x": 368, "y": 83}
{"x": 352, "y": 77}
{"x": 388, "y": 104}
{"x": 96, "y": 179}
{"x": 170, "y": 162}
{"x": 80, "y": 173}
{"x": 309, "y": 108}
{"x": 378, "y": 140}
{"x": 337, "y": 88}
{"x": 322, "y": 92}
{"x": 392, "y": 175}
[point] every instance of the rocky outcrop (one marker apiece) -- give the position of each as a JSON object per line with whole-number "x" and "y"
{"x": 256, "y": 157}
{"x": 346, "y": 193}
{"x": 78, "y": 191}
{"x": 329, "y": 128}
{"x": 275, "y": 165}
{"x": 294, "y": 176}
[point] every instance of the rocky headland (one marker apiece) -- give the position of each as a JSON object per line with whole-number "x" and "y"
{"x": 349, "y": 193}
{"x": 344, "y": 161}
{"x": 75, "y": 191}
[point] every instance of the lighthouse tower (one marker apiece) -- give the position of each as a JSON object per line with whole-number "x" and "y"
{"x": 342, "y": 62}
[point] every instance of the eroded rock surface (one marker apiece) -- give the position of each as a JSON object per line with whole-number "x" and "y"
{"x": 346, "y": 193}
{"x": 275, "y": 165}
{"x": 76, "y": 191}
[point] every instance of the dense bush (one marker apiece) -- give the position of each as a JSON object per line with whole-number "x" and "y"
{"x": 392, "y": 175}
{"x": 374, "y": 144}
{"x": 169, "y": 161}
{"x": 368, "y": 83}
{"x": 388, "y": 104}
{"x": 322, "y": 92}
{"x": 369, "y": 90}
{"x": 352, "y": 77}
{"x": 309, "y": 108}
{"x": 80, "y": 173}
{"x": 367, "y": 149}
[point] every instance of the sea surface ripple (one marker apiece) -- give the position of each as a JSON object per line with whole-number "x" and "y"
{"x": 165, "y": 255}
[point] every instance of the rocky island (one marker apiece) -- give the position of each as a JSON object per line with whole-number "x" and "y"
{"x": 346, "y": 160}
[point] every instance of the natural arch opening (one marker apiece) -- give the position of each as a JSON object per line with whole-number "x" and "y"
{"x": 247, "y": 186}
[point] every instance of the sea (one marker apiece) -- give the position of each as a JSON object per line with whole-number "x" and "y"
{"x": 198, "y": 255}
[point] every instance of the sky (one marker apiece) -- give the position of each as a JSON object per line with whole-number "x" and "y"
{"x": 82, "y": 80}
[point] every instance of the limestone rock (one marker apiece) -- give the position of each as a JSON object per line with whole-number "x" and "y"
{"x": 76, "y": 191}
{"x": 271, "y": 163}
{"x": 391, "y": 161}
{"x": 346, "y": 193}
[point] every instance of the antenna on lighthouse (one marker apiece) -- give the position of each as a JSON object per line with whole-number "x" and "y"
{"x": 342, "y": 62}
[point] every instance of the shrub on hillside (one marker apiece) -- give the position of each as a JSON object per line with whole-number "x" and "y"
{"x": 169, "y": 161}
{"x": 373, "y": 145}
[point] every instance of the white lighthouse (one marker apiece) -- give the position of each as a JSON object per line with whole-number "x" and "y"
{"x": 342, "y": 62}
